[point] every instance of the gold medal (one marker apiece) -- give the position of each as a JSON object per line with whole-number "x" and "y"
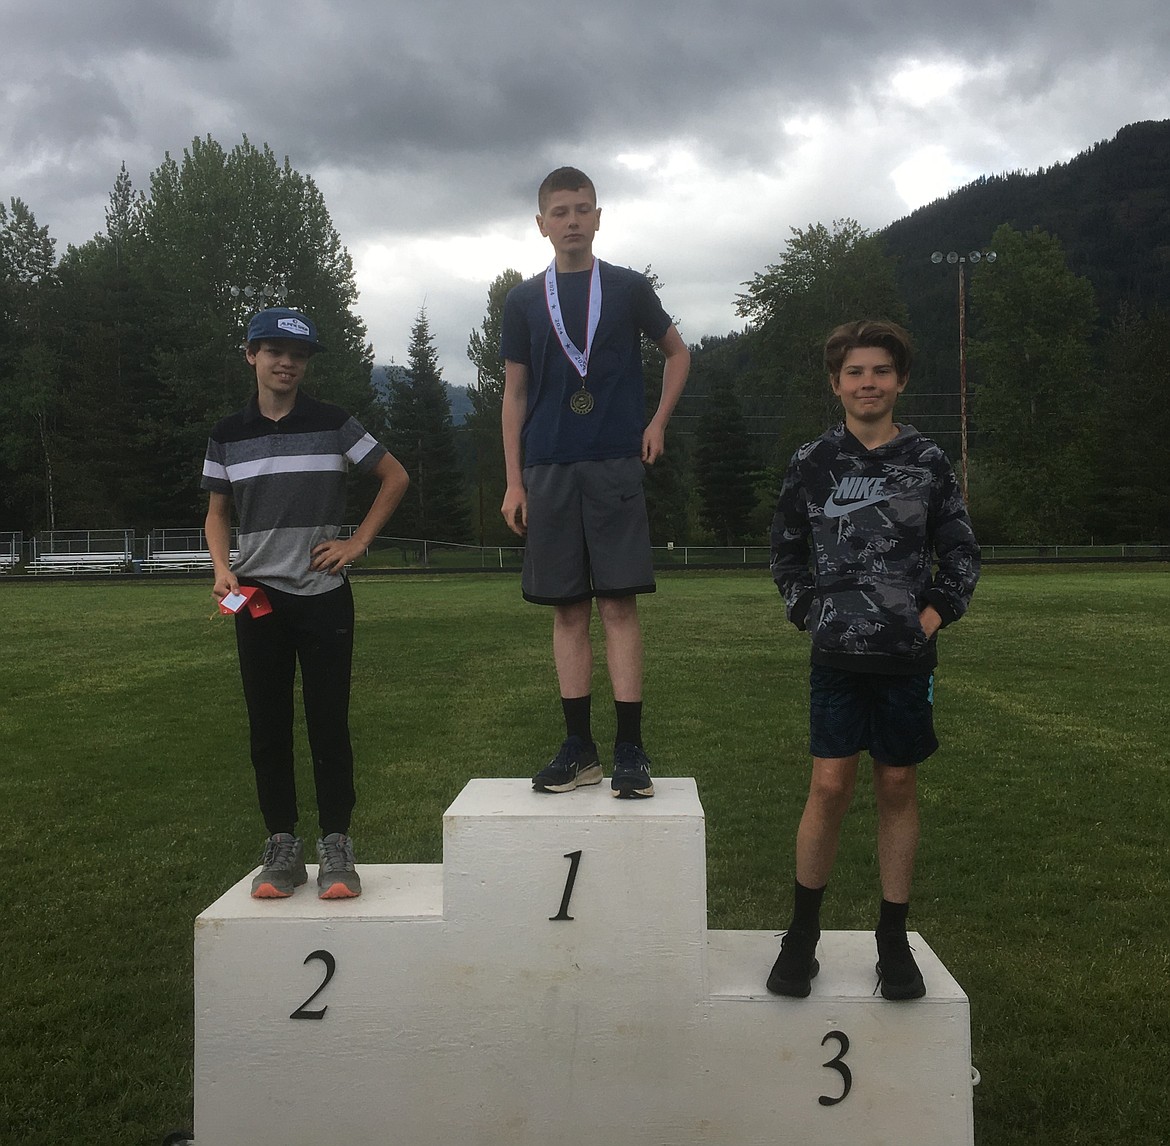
{"x": 580, "y": 401}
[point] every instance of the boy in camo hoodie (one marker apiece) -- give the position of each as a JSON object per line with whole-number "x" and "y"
{"x": 873, "y": 552}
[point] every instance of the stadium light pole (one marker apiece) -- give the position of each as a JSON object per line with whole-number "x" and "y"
{"x": 953, "y": 258}
{"x": 263, "y": 296}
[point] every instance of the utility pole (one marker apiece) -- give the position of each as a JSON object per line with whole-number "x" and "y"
{"x": 954, "y": 258}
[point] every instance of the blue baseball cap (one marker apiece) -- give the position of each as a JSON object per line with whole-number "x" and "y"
{"x": 280, "y": 322}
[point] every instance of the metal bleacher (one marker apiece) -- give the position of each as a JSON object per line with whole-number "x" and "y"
{"x": 82, "y": 551}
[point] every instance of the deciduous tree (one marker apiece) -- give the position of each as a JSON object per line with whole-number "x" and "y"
{"x": 823, "y": 277}
{"x": 1035, "y": 404}
{"x": 227, "y": 233}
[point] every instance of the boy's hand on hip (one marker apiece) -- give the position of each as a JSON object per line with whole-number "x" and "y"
{"x": 333, "y": 556}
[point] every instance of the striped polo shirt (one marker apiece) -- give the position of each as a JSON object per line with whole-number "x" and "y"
{"x": 288, "y": 482}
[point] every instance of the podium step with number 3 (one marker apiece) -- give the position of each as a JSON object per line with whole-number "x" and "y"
{"x": 553, "y": 981}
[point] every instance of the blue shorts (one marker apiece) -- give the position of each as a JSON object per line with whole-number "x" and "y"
{"x": 891, "y": 716}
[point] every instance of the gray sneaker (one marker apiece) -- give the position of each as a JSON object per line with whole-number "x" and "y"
{"x": 282, "y": 869}
{"x": 337, "y": 877}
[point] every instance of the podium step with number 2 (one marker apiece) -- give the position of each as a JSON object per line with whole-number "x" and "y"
{"x": 553, "y": 981}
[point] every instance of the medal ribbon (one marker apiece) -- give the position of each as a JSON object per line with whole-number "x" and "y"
{"x": 579, "y": 360}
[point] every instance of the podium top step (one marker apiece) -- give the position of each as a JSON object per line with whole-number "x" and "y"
{"x": 674, "y": 798}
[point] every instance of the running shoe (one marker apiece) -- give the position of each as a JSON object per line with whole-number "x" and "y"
{"x": 631, "y": 772}
{"x": 796, "y": 966}
{"x": 898, "y": 974}
{"x": 574, "y": 766}
{"x": 337, "y": 878}
{"x": 282, "y": 869}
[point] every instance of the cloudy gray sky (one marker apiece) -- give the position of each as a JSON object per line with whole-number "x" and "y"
{"x": 710, "y": 128}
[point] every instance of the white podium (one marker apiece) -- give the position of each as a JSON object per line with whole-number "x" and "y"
{"x": 554, "y": 982}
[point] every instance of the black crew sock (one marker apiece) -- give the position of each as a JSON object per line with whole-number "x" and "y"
{"x": 806, "y": 907}
{"x": 577, "y": 709}
{"x": 629, "y": 722}
{"x": 892, "y": 916}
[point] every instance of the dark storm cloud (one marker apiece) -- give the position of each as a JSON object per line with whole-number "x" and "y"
{"x": 503, "y": 79}
{"x": 78, "y": 34}
{"x": 491, "y": 94}
{"x": 430, "y": 121}
{"x": 71, "y": 112}
{"x": 474, "y": 90}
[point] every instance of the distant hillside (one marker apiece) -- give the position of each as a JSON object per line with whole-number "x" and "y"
{"x": 1109, "y": 206}
{"x": 457, "y": 395}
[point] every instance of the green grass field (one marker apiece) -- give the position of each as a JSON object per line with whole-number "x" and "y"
{"x": 1043, "y": 880}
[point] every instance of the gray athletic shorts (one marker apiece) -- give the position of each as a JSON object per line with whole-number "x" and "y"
{"x": 588, "y": 535}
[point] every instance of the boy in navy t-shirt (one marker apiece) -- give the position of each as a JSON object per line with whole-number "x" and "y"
{"x": 575, "y": 446}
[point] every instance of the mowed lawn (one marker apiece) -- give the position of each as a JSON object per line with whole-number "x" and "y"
{"x": 127, "y": 806}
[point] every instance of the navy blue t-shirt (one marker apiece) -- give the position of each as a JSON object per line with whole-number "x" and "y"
{"x": 552, "y": 433}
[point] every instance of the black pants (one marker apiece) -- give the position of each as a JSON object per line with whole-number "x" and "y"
{"x": 317, "y": 631}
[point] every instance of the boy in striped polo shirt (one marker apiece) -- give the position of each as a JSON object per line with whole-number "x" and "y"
{"x": 282, "y": 461}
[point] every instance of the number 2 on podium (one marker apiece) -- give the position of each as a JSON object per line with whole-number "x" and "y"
{"x": 325, "y": 957}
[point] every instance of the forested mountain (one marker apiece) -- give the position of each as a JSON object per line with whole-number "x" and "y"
{"x": 1061, "y": 331}
{"x": 1109, "y": 207}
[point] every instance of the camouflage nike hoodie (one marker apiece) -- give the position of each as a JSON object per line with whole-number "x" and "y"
{"x": 863, "y": 540}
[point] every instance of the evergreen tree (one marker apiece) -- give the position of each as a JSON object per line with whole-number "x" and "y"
{"x": 124, "y": 216}
{"x": 107, "y": 347}
{"x": 421, "y": 436}
{"x": 726, "y": 362}
{"x": 483, "y": 350}
{"x": 1131, "y": 500}
{"x": 665, "y": 484}
{"x": 32, "y": 399}
{"x": 724, "y": 471}
{"x": 667, "y": 480}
